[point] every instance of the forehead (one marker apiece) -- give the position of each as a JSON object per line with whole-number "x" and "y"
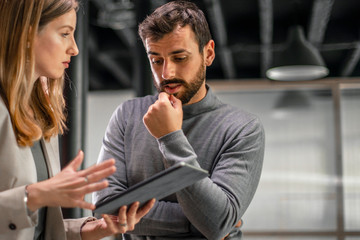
{"x": 180, "y": 38}
{"x": 66, "y": 20}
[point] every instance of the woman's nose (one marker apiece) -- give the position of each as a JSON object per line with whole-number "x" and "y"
{"x": 73, "y": 49}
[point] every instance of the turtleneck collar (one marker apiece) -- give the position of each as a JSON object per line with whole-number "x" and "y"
{"x": 208, "y": 103}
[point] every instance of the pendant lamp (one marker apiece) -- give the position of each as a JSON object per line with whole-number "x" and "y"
{"x": 299, "y": 61}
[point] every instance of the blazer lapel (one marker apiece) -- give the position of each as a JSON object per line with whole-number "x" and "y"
{"x": 51, "y": 152}
{"x": 54, "y": 219}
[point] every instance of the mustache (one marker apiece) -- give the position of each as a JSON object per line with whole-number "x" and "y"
{"x": 175, "y": 80}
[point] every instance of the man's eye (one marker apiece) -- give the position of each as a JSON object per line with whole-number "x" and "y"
{"x": 180, "y": 59}
{"x": 156, "y": 61}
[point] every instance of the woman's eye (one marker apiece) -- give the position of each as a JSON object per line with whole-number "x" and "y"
{"x": 65, "y": 34}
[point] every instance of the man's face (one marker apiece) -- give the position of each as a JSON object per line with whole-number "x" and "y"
{"x": 177, "y": 66}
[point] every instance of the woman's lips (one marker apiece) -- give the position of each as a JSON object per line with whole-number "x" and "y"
{"x": 66, "y": 64}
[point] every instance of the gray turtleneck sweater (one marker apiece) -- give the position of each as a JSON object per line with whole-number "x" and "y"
{"x": 224, "y": 140}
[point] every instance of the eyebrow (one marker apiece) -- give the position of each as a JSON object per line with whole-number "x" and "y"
{"x": 67, "y": 26}
{"x": 171, "y": 53}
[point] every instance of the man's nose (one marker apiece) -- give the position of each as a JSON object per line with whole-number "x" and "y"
{"x": 169, "y": 69}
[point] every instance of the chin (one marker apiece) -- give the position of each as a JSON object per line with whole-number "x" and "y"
{"x": 56, "y": 76}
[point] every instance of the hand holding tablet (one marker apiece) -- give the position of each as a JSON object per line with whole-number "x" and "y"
{"x": 158, "y": 186}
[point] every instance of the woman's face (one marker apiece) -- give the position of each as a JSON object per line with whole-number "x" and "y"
{"x": 54, "y": 45}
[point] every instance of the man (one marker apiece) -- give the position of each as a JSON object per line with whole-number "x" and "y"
{"x": 184, "y": 122}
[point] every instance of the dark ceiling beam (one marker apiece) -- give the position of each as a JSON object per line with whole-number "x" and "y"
{"x": 156, "y": 3}
{"x": 320, "y": 16}
{"x": 101, "y": 3}
{"x": 119, "y": 16}
{"x": 109, "y": 63}
{"x": 351, "y": 63}
{"x": 319, "y": 20}
{"x": 266, "y": 34}
{"x": 217, "y": 22}
{"x": 127, "y": 35}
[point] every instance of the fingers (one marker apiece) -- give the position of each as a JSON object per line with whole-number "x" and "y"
{"x": 176, "y": 103}
{"x": 146, "y": 208}
{"x": 163, "y": 96}
{"x": 131, "y": 215}
{"x": 81, "y": 179}
{"x": 126, "y": 219}
{"x": 135, "y": 213}
{"x": 117, "y": 224}
{"x": 83, "y": 204}
{"x": 97, "y": 167}
{"x": 92, "y": 187}
{"x": 76, "y": 162}
{"x": 111, "y": 226}
{"x": 99, "y": 175}
{"x": 98, "y": 172}
{"x": 122, "y": 218}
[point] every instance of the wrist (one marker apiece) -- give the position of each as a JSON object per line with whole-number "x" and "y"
{"x": 29, "y": 212}
{"x": 91, "y": 229}
{"x": 31, "y": 198}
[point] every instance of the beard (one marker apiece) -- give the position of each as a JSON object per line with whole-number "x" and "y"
{"x": 190, "y": 88}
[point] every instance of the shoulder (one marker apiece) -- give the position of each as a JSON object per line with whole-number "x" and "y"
{"x": 238, "y": 115}
{"x": 140, "y": 101}
{"x": 136, "y": 105}
{"x": 131, "y": 111}
{"x": 239, "y": 122}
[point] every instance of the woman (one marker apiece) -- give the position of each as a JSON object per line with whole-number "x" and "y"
{"x": 36, "y": 45}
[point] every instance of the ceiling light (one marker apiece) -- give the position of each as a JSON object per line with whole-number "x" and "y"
{"x": 300, "y": 60}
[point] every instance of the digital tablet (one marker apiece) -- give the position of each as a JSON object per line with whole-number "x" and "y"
{"x": 158, "y": 186}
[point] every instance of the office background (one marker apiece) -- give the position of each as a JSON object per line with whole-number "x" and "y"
{"x": 310, "y": 185}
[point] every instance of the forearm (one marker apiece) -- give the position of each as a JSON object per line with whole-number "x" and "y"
{"x": 164, "y": 219}
{"x": 214, "y": 205}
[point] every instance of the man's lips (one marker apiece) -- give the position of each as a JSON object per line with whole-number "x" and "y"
{"x": 172, "y": 88}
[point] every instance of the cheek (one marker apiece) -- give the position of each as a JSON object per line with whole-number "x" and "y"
{"x": 156, "y": 71}
{"x": 44, "y": 58}
{"x": 44, "y": 51}
{"x": 156, "y": 80}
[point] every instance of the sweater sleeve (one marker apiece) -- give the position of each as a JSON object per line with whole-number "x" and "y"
{"x": 113, "y": 147}
{"x": 165, "y": 218}
{"x": 214, "y": 205}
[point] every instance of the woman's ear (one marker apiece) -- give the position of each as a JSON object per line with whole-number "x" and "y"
{"x": 209, "y": 51}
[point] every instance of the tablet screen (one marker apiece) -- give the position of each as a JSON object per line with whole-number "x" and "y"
{"x": 158, "y": 186}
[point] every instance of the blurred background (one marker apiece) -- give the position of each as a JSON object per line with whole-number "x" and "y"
{"x": 310, "y": 184}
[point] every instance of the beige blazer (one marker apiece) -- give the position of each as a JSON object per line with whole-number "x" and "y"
{"x": 17, "y": 169}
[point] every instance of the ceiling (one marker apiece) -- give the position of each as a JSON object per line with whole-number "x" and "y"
{"x": 248, "y": 35}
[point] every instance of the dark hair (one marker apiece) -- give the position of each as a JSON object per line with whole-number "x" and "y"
{"x": 170, "y": 15}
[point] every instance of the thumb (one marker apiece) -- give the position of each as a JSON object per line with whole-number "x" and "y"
{"x": 76, "y": 162}
{"x": 175, "y": 102}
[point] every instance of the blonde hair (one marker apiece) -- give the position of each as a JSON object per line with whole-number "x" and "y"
{"x": 34, "y": 113}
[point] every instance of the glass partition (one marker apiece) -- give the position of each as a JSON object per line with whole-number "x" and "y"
{"x": 350, "y": 123}
{"x": 298, "y": 184}
{"x": 310, "y": 184}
